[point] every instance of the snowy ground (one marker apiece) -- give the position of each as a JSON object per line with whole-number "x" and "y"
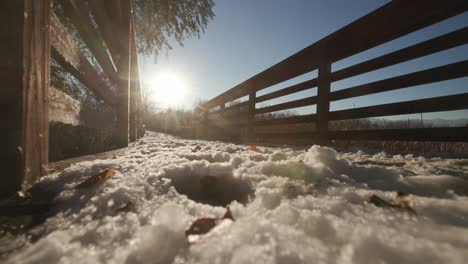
{"x": 300, "y": 206}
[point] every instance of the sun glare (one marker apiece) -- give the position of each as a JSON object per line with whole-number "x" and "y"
{"x": 168, "y": 90}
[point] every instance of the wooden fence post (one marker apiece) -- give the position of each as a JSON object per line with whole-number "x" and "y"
{"x": 222, "y": 108}
{"x": 134, "y": 86}
{"x": 140, "y": 116}
{"x": 24, "y": 71}
{"x": 205, "y": 116}
{"x": 123, "y": 97}
{"x": 323, "y": 103}
{"x": 251, "y": 112}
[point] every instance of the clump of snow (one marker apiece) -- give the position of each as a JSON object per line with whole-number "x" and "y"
{"x": 163, "y": 239}
{"x": 290, "y": 206}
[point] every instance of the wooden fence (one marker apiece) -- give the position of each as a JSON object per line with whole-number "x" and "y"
{"x": 31, "y": 33}
{"x": 385, "y": 24}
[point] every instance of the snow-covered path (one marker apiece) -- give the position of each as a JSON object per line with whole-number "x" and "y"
{"x": 295, "y": 206}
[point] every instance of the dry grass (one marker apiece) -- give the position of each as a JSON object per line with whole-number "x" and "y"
{"x": 186, "y": 124}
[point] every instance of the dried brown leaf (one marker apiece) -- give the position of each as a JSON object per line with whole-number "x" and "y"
{"x": 196, "y": 149}
{"x": 96, "y": 179}
{"x": 254, "y": 148}
{"x": 204, "y": 225}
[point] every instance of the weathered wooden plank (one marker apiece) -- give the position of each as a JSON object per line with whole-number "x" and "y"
{"x": 24, "y": 70}
{"x": 437, "y": 104}
{"x": 114, "y": 11}
{"x": 447, "y": 134}
{"x": 288, "y": 105}
{"x": 80, "y": 17}
{"x": 140, "y": 127}
{"x": 287, "y": 120}
{"x": 63, "y": 109}
{"x": 289, "y": 90}
{"x": 438, "y": 74}
{"x": 398, "y": 18}
{"x": 70, "y": 57}
{"x": 107, "y": 30}
{"x": 251, "y": 109}
{"x": 134, "y": 87}
{"x": 123, "y": 97}
{"x": 444, "y": 42}
{"x": 323, "y": 98}
{"x": 231, "y": 110}
{"x": 235, "y": 107}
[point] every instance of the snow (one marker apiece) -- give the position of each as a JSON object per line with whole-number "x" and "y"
{"x": 294, "y": 205}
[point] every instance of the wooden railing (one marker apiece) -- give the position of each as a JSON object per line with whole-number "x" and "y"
{"x": 385, "y": 24}
{"x": 31, "y": 34}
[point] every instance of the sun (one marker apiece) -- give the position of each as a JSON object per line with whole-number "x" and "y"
{"x": 168, "y": 90}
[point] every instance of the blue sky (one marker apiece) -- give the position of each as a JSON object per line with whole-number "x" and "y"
{"x": 248, "y": 36}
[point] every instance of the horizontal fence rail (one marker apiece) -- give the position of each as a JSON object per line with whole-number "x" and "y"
{"x": 437, "y": 104}
{"x": 445, "y": 42}
{"x": 71, "y": 58}
{"x": 293, "y": 104}
{"x": 438, "y": 74}
{"x": 391, "y": 21}
{"x": 289, "y": 90}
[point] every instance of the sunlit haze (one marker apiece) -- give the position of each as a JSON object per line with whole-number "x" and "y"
{"x": 168, "y": 90}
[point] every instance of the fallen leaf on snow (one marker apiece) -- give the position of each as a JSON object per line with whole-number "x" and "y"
{"x": 402, "y": 201}
{"x": 254, "y": 148}
{"x": 202, "y": 226}
{"x": 96, "y": 179}
{"x": 228, "y": 214}
{"x": 405, "y": 200}
{"x": 196, "y": 149}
